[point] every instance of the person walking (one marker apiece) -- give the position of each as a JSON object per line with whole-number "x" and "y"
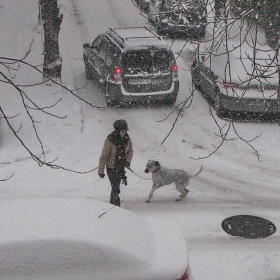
{"x": 116, "y": 155}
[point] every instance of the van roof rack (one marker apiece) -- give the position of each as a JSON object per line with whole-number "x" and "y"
{"x": 123, "y": 39}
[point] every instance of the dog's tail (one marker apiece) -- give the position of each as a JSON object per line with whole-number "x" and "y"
{"x": 199, "y": 171}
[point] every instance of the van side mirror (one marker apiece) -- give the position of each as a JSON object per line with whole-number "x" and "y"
{"x": 202, "y": 57}
{"x": 86, "y": 46}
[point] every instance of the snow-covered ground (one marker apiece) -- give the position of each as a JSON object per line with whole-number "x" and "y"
{"x": 234, "y": 180}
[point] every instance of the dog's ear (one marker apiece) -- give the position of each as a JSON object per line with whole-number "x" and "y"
{"x": 157, "y": 163}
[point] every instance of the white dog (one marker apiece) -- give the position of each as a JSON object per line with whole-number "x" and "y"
{"x": 162, "y": 176}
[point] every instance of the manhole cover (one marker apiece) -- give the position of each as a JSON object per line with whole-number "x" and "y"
{"x": 248, "y": 226}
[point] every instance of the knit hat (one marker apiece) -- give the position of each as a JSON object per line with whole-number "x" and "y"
{"x": 120, "y": 125}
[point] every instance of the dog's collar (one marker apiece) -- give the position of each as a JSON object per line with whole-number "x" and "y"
{"x": 157, "y": 170}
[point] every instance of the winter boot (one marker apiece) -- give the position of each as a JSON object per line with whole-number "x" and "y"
{"x": 115, "y": 199}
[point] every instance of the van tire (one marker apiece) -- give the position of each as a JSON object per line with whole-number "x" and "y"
{"x": 171, "y": 101}
{"x": 88, "y": 74}
{"x": 110, "y": 102}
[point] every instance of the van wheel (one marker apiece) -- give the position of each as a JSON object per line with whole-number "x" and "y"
{"x": 171, "y": 101}
{"x": 110, "y": 102}
{"x": 87, "y": 72}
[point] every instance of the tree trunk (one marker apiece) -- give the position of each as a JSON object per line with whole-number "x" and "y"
{"x": 51, "y": 21}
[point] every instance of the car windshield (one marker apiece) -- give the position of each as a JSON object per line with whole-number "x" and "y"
{"x": 146, "y": 61}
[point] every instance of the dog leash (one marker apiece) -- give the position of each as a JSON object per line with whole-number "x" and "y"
{"x": 132, "y": 172}
{"x": 137, "y": 174}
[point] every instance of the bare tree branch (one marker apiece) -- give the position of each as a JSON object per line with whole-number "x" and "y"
{"x": 3, "y": 180}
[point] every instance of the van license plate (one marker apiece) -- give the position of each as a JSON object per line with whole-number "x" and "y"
{"x": 139, "y": 81}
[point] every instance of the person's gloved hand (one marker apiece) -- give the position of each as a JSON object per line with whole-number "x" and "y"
{"x": 101, "y": 175}
{"x": 127, "y": 164}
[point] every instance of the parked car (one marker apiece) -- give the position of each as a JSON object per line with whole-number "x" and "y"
{"x": 135, "y": 65}
{"x": 178, "y": 17}
{"x": 144, "y": 4}
{"x": 241, "y": 81}
{"x": 71, "y": 238}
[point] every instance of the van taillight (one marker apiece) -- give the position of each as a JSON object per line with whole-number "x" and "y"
{"x": 175, "y": 72}
{"x": 117, "y": 75}
{"x": 185, "y": 276}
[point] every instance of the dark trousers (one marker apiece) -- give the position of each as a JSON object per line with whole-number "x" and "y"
{"x": 115, "y": 176}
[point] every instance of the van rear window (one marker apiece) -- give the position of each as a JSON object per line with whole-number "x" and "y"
{"x": 147, "y": 60}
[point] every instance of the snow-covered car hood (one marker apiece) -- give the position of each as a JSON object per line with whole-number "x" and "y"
{"x": 65, "y": 238}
